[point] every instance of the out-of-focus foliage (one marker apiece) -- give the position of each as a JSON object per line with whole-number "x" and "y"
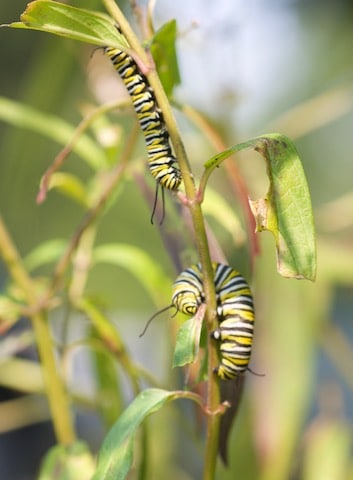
{"x": 252, "y": 68}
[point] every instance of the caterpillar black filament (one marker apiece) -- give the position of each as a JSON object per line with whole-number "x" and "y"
{"x": 235, "y": 310}
{"x": 161, "y": 161}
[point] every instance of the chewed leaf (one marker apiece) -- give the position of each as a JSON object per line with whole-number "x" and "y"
{"x": 75, "y": 23}
{"x": 286, "y": 209}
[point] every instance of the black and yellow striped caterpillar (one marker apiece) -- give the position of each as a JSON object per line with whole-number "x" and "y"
{"x": 161, "y": 161}
{"x": 235, "y": 310}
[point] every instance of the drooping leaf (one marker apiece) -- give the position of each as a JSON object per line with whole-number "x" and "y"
{"x": 164, "y": 54}
{"x": 116, "y": 454}
{"x": 67, "y": 463}
{"x": 286, "y": 209}
{"x": 50, "y": 126}
{"x": 71, "y": 22}
{"x": 231, "y": 392}
{"x": 71, "y": 186}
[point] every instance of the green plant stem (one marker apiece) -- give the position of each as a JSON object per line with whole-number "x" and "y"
{"x": 57, "y": 396}
{"x": 90, "y": 217}
{"x": 112, "y": 339}
{"x": 213, "y": 394}
{"x": 235, "y": 178}
{"x": 60, "y": 158}
{"x": 81, "y": 264}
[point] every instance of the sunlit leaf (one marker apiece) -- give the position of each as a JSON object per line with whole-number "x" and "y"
{"x": 74, "y": 462}
{"x": 144, "y": 268}
{"x": 116, "y": 454}
{"x": 69, "y": 185}
{"x": 21, "y": 375}
{"x": 24, "y": 116}
{"x": 286, "y": 210}
{"x": 164, "y": 54}
{"x": 71, "y": 22}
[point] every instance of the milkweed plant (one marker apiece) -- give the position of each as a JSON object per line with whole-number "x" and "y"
{"x": 209, "y": 298}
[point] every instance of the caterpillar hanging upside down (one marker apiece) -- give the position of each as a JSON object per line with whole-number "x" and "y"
{"x": 161, "y": 161}
{"x": 235, "y": 311}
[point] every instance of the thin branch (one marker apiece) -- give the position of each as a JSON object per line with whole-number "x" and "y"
{"x": 65, "y": 152}
{"x": 90, "y": 217}
{"x": 233, "y": 172}
{"x": 213, "y": 397}
{"x": 57, "y": 397}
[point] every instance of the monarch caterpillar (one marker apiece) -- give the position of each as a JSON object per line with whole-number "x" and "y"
{"x": 161, "y": 161}
{"x": 235, "y": 311}
{"x": 235, "y": 335}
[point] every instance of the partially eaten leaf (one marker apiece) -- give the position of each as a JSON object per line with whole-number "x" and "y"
{"x": 286, "y": 209}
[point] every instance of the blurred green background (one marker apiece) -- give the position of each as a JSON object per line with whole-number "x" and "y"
{"x": 251, "y": 68}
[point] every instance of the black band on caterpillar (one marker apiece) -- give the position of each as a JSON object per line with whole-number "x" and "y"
{"x": 161, "y": 161}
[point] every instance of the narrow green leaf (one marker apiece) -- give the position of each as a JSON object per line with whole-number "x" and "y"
{"x": 164, "y": 54}
{"x": 69, "y": 185}
{"x": 67, "y": 463}
{"x": 286, "y": 209}
{"x": 71, "y": 22}
{"x": 46, "y": 253}
{"x": 144, "y": 268}
{"x": 188, "y": 341}
{"x": 23, "y": 116}
{"x": 116, "y": 454}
